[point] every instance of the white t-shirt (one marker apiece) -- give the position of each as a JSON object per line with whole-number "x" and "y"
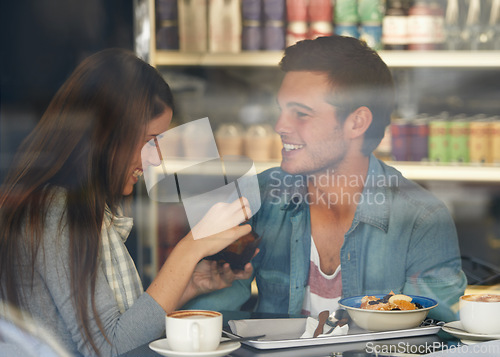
{"x": 323, "y": 291}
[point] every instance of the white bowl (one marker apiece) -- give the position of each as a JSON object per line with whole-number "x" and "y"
{"x": 377, "y": 320}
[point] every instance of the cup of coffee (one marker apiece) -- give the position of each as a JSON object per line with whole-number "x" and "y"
{"x": 193, "y": 330}
{"x": 480, "y": 313}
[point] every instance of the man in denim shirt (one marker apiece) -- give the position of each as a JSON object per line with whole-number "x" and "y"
{"x": 331, "y": 196}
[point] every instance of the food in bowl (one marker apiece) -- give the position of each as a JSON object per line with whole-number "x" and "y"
{"x": 387, "y": 320}
{"x": 390, "y": 302}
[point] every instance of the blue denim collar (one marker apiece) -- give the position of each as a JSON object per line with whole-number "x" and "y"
{"x": 376, "y": 203}
{"x": 374, "y": 206}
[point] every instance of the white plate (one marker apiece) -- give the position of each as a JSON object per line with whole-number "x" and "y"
{"x": 285, "y": 333}
{"x": 161, "y": 347}
{"x": 448, "y": 327}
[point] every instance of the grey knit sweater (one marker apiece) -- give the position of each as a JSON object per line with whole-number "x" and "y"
{"x": 49, "y": 299}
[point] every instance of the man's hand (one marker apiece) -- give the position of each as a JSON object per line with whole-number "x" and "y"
{"x": 209, "y": 276}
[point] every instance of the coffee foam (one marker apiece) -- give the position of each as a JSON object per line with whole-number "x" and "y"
{"x": 482, "y": 298}
{"x": 193, "y": 314}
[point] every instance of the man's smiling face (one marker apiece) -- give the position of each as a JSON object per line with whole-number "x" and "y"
{"x": 312, "y": 136}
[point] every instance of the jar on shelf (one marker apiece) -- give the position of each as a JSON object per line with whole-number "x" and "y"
{"x": 229, "y": 138}
{"x": 258, "y": 142}
{"x": 277, "y": 147}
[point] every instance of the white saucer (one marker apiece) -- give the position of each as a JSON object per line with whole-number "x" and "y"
{"x": 447, "y": 327}
{"x": 161, "y": 347}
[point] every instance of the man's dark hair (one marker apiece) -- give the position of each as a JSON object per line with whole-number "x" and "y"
{"x": 358, "y": 77}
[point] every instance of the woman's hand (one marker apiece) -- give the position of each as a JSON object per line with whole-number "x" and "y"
{"x": 220, "y": 227}
{"x": 175, "y": 283}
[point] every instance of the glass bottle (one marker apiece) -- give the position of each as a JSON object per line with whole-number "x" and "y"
{"x": 439, "y": 32}
{"x": 421, "y": 26}
{"x": 472, "y": 31}
{"x": 452, "y": 26}
{"x": 395, "y": 26}
{"x": 492, "y": 31}
{"x": 496, "y": 36}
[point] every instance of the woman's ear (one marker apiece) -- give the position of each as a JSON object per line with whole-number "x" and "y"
{"x": 358, "y": 122}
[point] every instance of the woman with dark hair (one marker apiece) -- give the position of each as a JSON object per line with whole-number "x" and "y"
{"x": 62, "y": 228}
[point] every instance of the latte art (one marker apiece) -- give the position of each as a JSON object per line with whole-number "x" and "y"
{"x": 482, "y": 298}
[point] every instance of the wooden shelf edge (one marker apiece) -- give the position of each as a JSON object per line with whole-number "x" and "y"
{"x": 246, "y": 59}
{"x": 418, "y": 59}
{"x": 419, "y": 171}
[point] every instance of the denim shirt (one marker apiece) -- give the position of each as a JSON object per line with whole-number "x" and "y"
{"x": 402, "y": 238}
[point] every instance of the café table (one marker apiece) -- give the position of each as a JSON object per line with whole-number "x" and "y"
{"x": 407, "y": 346}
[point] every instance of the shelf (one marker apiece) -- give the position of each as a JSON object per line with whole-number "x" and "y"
{"x": 416, "y": 171}
{"x": 437, "y": 59}
{"x": 250, "y": 58}
{"x": 441, "y": 172}
{"x": 444, "y": 59}
{"x": 432, "y": 172}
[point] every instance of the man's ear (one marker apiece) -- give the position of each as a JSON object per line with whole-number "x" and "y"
{"x": 358, "y": 122}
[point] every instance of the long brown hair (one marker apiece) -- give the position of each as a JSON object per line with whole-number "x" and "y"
{"x": 82, "y": 143}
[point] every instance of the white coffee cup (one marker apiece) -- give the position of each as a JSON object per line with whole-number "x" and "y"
{"x": 480, "y": 313}
{"x": 193, "y": 330}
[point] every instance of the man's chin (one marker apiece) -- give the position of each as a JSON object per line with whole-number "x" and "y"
{"x": 289, "y": 169}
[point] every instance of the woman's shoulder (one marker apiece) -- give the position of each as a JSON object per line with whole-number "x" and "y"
{"x": 54, "y": 207}
{"x": 56, "y": 198}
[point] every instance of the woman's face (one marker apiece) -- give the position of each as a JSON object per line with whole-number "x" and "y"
{"x": 155, "y": 127}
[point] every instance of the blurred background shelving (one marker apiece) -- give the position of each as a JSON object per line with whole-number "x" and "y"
{"x": 238, "y": 88}
{"x": 43, "y": 41}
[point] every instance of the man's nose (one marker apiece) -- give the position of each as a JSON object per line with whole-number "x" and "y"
{"x": 282, "y": 125}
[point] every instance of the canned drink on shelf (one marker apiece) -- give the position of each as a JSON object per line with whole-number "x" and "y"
{"x": 384, "y": 149}
{"x": 479, "y": 141}
{"x": 400, "y": 139}
{"x": 224, "y": 26}
{"x": 346, "y": 11}
{"x": 251, "y": 36}
{"x": 371, "y": 33}
{"x": 370, "y": 10}
{"x": 320, "y": 10}
{"x": 349, "y": 30}
{"x": 459, "y": 140}
{"x": 274, "y": 10}
{"x": 438, "y": 140}
{"x": 296, "y": 31}
{"x": 274, "y": 36}
{"x": 296, "y": 10}
{"x": 251, "y": 10}
{"x": 495, "y": 140}
{"x": 320, "y": 28}
{"x": 166, "y": 10}
{"x": 167, "y": 36}
{"x": 419, "y": 139}
{"x": 193, "y": 26}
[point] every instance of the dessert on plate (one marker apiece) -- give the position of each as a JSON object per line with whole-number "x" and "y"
{"x": 390, "y": 302}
